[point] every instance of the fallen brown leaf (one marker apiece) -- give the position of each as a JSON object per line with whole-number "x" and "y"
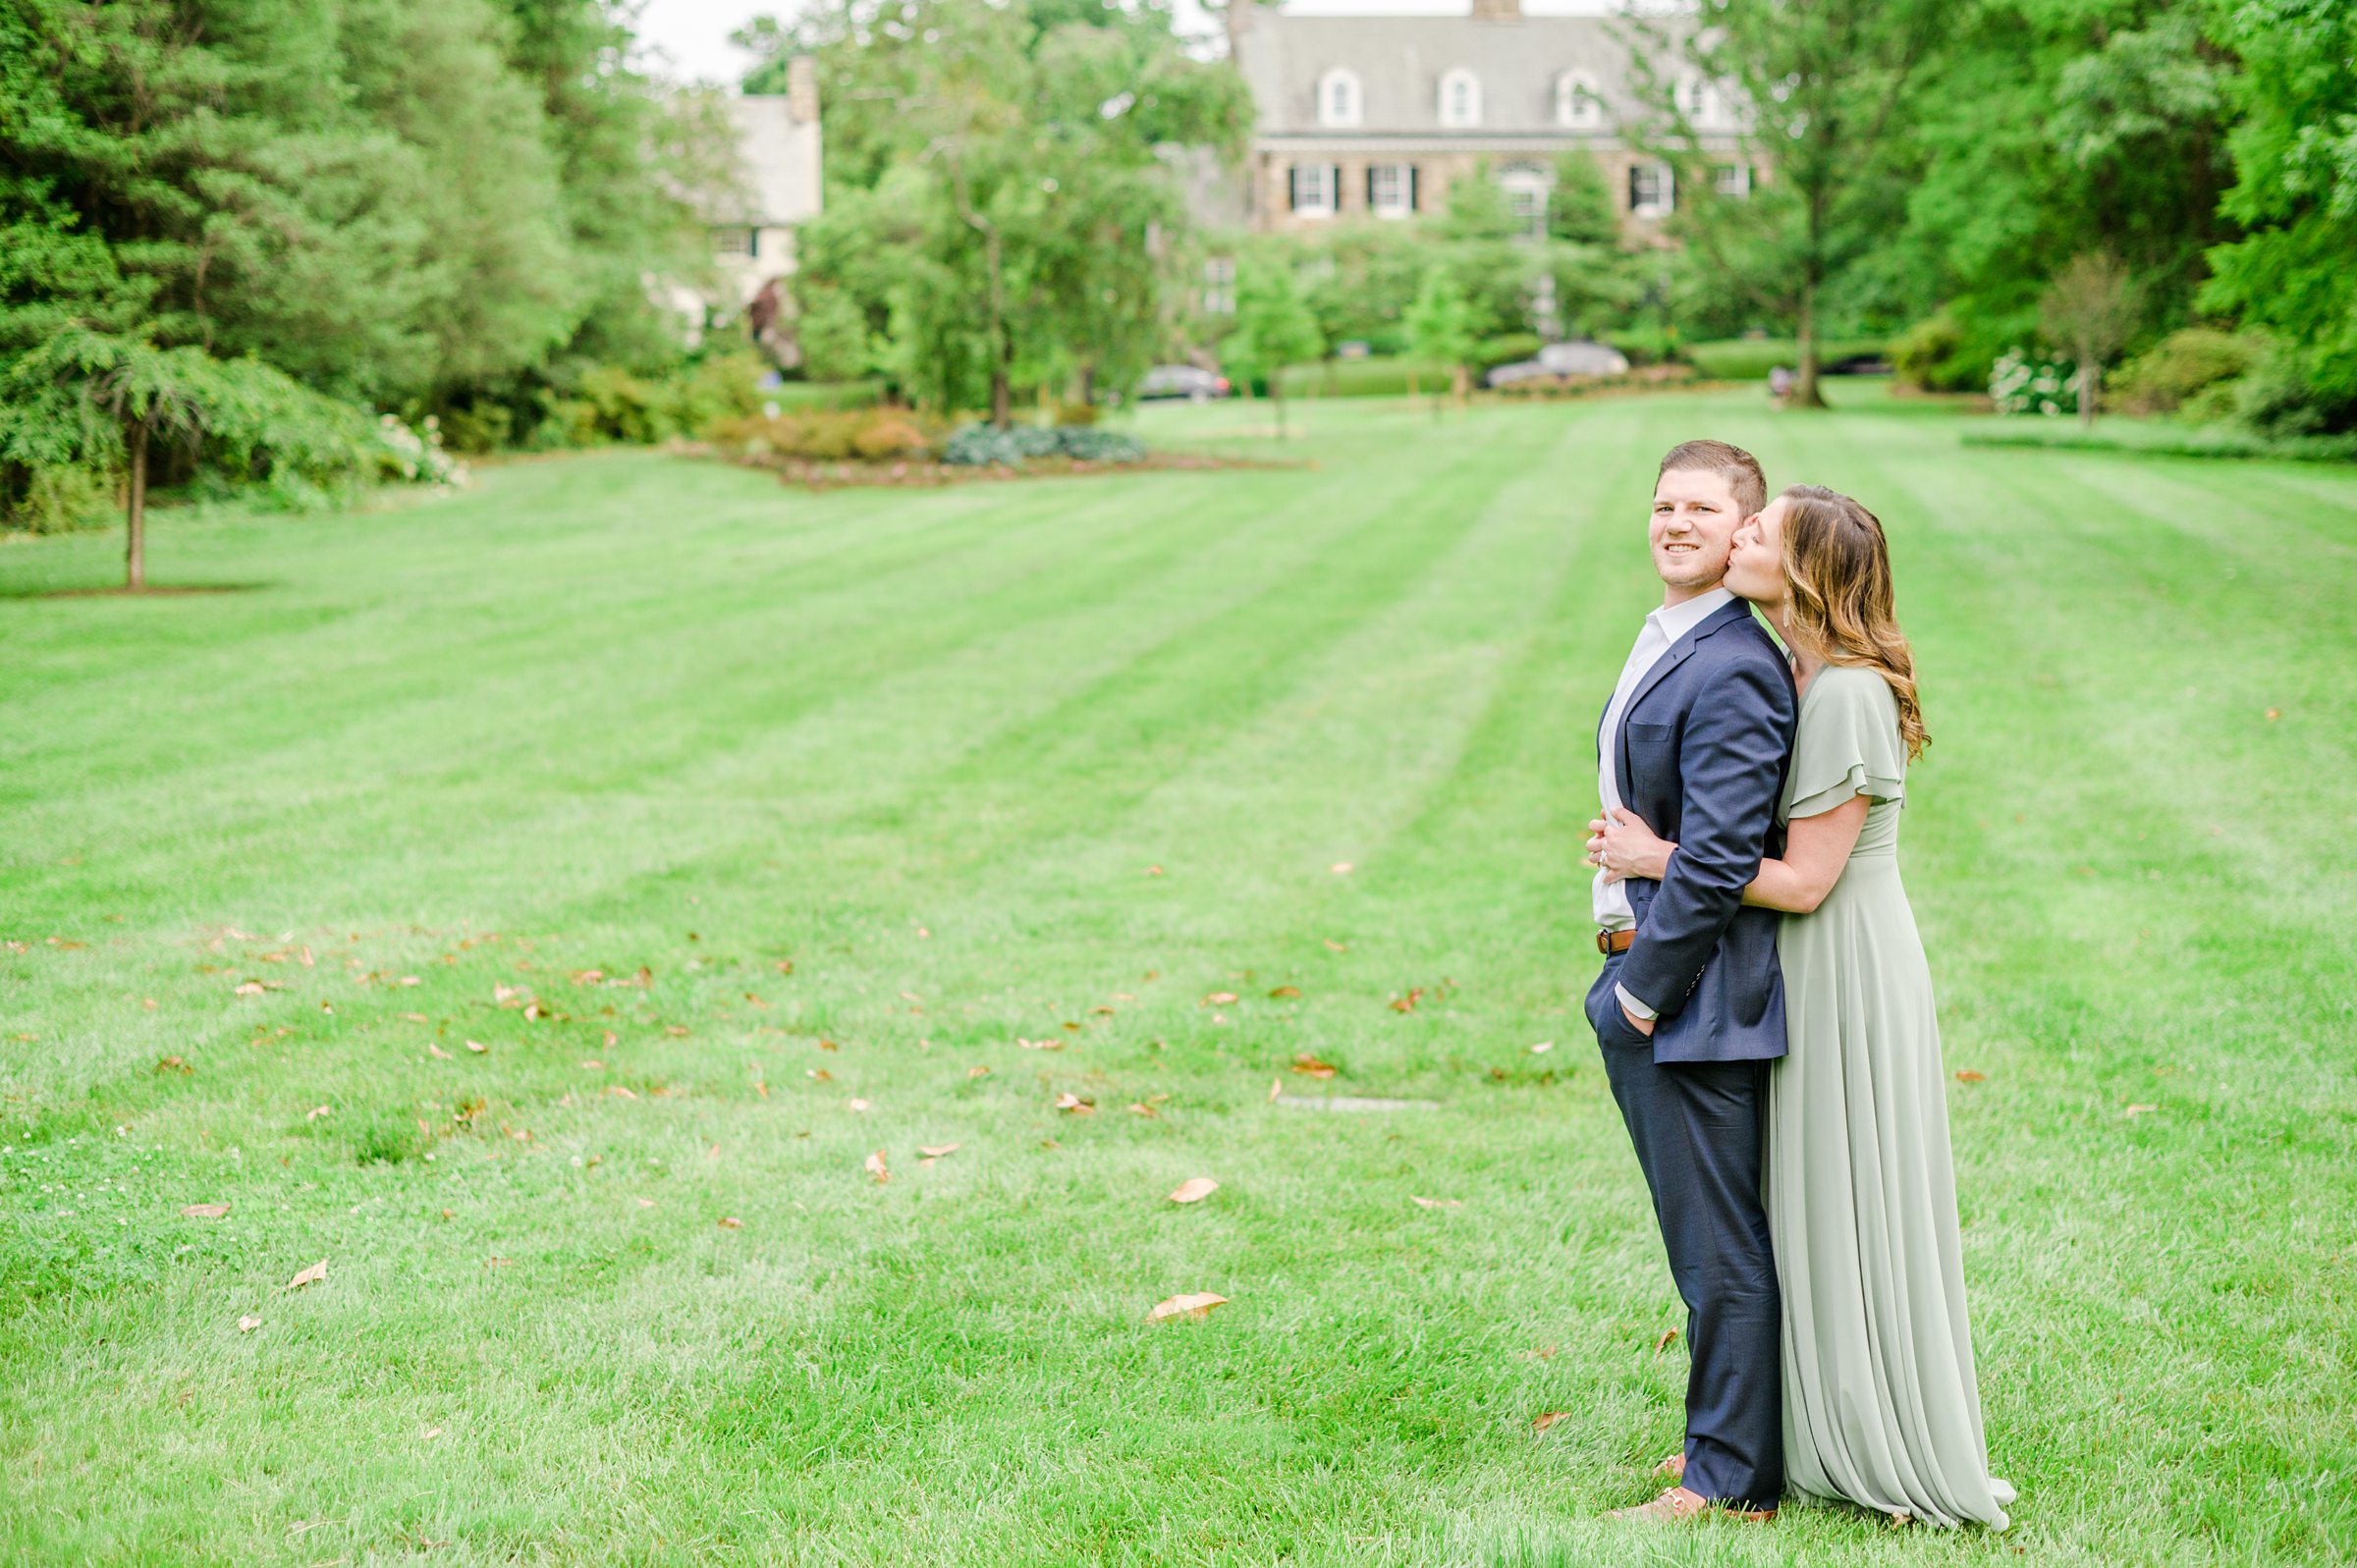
{"x": 477, "y": 1047}
{"x": 1276, "y": 1088}
{"x": 819, "y": 1075}
{"x": 2138, "y": 1111}
{"x": 174, "y": 1064}
{"x": 1968, "y": 1075}
{"x": 1311, "y": 1065}
{"x": 1539, "y": 1353}
{"x": 1283, "y": 992}
{"x": 1075, "y": 1105}
{"x": 977, "y": 1071}
{"x": 310, "y": 1277}
{"x": 248, "y": 1324}
{"x": 937, "y": 1149}
{"x": 731, "y": 1222}
{"x": 1543, "y": 1422}
{"x": 1220, "y": 999}
{"x": 1542, "y": 1047}
{"x": 436, "y": 1051}
{"x": 1196, "y": 1306}
{"x": 1663, "y": 1343}
{"x": 1342, "y": 868}
{"x": 1039, "y": 1044}
{"x": 1436, "y": 1203}
{"x": 1194, "y": 1189}
{"x": 204, "y": 1211}
{"x": 875, "y": 1166}
{"x": 858, "y": 1103}
{"x": 1139, "y": 1108}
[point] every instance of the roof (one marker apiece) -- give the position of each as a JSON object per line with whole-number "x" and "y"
{"x": 1400, "y": 61}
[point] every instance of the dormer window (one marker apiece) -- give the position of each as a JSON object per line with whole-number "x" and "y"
{"x": 1699, "y": 101}
{"x": 1338, "y": 101}
{"x": 1579, "y": 104}
{"x": 1460, "y": 99}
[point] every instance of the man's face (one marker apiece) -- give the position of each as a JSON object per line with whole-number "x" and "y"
{"x": 1695, "y": 517}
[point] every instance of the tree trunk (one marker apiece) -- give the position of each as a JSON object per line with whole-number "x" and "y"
{"x": 135, "y": 550}
{"x": 2091, "y": 376}
{"x": 1461, "y": 384}
{"x": 1002, "y": 383}
{"x": 1806, "y": 392}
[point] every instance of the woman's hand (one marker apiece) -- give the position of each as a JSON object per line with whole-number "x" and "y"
{"x": 1626, "y": 847}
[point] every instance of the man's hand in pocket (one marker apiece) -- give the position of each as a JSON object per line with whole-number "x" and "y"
{"x": 1643, "y": 1026}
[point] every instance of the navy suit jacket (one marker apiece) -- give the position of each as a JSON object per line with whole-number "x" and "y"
{"x": 1702, "y": 752}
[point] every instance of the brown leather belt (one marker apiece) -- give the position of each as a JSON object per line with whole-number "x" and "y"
{"x": 1609, "y": 943}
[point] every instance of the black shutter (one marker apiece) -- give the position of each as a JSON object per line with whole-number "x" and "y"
{"x": 1371, "y": 168}
{"x": 1333, "y": 184}
{"x": 1413, "y": 202}
{"x": 752, "y": 240}
{"x": 1633, "y": 188}
{"x": 1292, "y": 188}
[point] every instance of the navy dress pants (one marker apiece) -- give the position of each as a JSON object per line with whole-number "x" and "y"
{"x": 1697, "y": 1127}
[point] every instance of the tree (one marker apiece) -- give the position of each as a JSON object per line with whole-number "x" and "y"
{"x": 2044, "y": 129}
{"x": 1440, "y": 328}
{"x": 1031, "y": 216}
{"x": 2295, "y": 193}
{"x": 84, "y": 394}
{"x": 1579, "y": 207}
{"x": 1820, "y": 91}
{"x": 2090, "y": 308}
{"x": 1274, "y": 328}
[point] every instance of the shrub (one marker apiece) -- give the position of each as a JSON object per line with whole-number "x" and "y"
{"x": 58, "y": 498}
{"x": 1751, "y": 358}
{"x": 1085, "y": 445}
{"x": 1012, "y": 447}
{"x": 2276, "y": 399}
{"x": 886, "y": 434}
{"x": 2020, "y": 384}
{"x": 2181, "y": 366}
{"x": 827, "y": 434}
{"x": 1506, "y": 348}
{"x": 1932, "y": 356}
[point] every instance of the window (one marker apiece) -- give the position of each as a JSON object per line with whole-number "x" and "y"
{"x": 1650, "y": 194}
{"x": 1732, "y": 179}
{"x": 1699, "y": 101}
{"x": 1338, "y": 98}
{"x": 1390, "y": 190}
{"x": 1460, "y": 99}
{"x": 1578, "y": 105}
{"x": 1219, "y": 286}
{"x": 735, "y": 241}
{"x": 1313, "y": 189}
{"x": 1526, "y": 187}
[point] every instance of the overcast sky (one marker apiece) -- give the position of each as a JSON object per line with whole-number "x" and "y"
{"x": 691, "y": 37}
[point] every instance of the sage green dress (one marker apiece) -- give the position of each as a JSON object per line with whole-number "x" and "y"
{"x": 1881, "y": 1407}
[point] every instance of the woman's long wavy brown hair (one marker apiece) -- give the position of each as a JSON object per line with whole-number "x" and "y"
{"x": 1843, "y": 608}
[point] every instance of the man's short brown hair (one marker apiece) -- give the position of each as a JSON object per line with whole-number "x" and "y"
{"x": 1740, "y": 468}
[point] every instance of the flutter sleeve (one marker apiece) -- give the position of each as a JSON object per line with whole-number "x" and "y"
{"x": 1848, "y": 745}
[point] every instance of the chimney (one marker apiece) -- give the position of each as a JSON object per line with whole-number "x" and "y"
{"x": 802, "y": 88}
{"x": 1496, "y": 10}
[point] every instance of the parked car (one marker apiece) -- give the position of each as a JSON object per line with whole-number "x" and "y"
{"x": 1191, "y": 382}
{"x": 1574, "y": 358}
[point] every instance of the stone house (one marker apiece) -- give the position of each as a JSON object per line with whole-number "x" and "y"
{"x": 1376, "y": 116}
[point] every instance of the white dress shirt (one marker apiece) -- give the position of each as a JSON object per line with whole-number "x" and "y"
{"x": 1661, "y": 630}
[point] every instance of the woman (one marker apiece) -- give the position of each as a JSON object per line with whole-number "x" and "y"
{"x": 1881, "y": 1406}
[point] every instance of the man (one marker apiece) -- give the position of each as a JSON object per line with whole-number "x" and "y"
{"x": 1689, "y": 1008}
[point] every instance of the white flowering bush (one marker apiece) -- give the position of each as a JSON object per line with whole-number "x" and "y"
{"x": 2020, "y": 384}
{"x": 416, "y": 456}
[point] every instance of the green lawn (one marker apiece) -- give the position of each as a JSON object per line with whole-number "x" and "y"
{"x": 1060, "y": 761}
